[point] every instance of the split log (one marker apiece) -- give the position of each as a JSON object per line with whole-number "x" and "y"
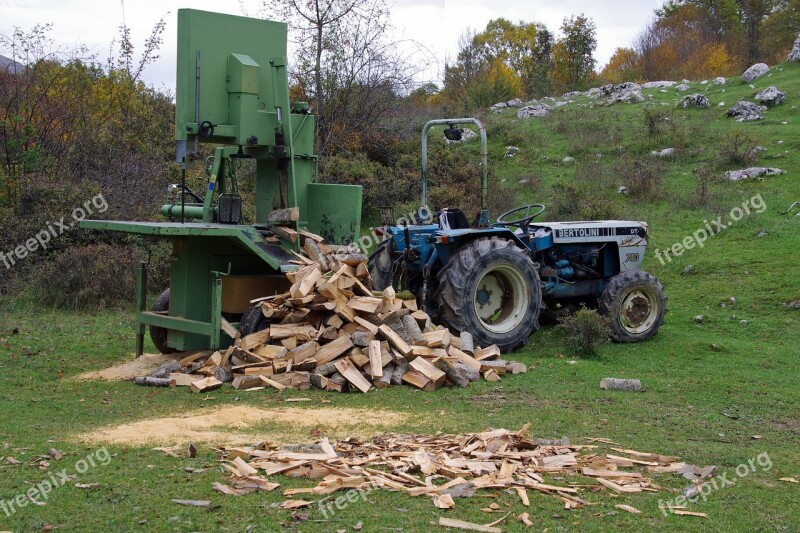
{"x": 463, "y": 358}
{"x": 284, "y": 232}
{"x": 284, "y": 216}
{"x": 395, "y": 340}
{"x": 206, "y": 385}
{"x": 331, "y": 351}
{"x": 412, "y": 331}
{"x": 312, "y": 248}
{"x": 228, "y": 329}
{"x": 369, "y": 326}
{"x": 456, "y": 373}
{"x": 313, "y": 236}
{"x": 351, "y": 374}
{"x": 375, "y": 360}
{"x": 491, "y": 375}
{"x": 401, "y": 367}
{"x": 165, "y": 370}
{"x": 421, "y": 365}
{"x": 498, "y": 366}
{"x": 467, "y": 342}
{"x": 362, "y": 338}
{"x": 326, "y": 370}
{"x": 223, "y": 373}
{"x": 415, "y": 379}
{"x": 385, "y": 380}
{"x": 351, "y": 259}
{"x": 153, "y": 382}
{"x": 490, "y": 352}
{"x": 183, "y": 380}
{"x": 437, "y": 339}
{"x": 514, "y": 367}
{"x": 245, "y": 382}
{"x": 303, "y": 352}
{"x": 337, "y": 383}
{"x": 319, "y": 382}
{"x": 630, "y": 385}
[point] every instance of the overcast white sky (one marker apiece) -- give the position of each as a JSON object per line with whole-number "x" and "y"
{"x": 436, "y": 24}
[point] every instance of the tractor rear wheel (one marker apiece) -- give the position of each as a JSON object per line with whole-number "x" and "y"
{"x": 159, "y": 335}
{"x": 635, "y": 303}
{"x": 491, "y": 288}
{"x": 380, "y": 265}
{"x": 253, "y": 321}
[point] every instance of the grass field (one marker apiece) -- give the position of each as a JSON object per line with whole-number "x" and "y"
{"x": 711, "y": 387}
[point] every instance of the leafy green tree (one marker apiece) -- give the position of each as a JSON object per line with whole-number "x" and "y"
{"x": 574, "y": 58}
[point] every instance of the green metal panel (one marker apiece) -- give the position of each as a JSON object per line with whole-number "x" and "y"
{"x": 246, "y": 238}
{"x": 215, "y": 37}
{"x": 335, "y": 211}
{"x": 232, "y": 80}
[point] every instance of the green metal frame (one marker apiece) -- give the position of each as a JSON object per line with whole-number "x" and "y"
{"x": 233, "y": 92}
{"x": 451, "y": 122}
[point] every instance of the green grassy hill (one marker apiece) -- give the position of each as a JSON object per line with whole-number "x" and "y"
{"x": 720, "y": 392}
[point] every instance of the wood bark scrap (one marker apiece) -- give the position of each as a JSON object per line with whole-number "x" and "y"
{"x": 448, "y": 469}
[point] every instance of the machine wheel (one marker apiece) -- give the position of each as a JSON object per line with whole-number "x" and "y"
{"x": 159, "y": 335}
{"x": 491, "y": 289}
{"x": 380, "y": 265}
{"x": 635, "y": 303}
{"x": 253, "y": 320}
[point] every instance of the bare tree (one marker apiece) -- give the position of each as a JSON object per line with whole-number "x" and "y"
{"x": 345, "y": 65}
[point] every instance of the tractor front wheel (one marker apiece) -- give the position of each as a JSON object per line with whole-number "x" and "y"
{"x": 491, "y": 289}
{"x": 635, "y": 303}
{"x": 159, "y": 335}
{"x": 252, "y": 321}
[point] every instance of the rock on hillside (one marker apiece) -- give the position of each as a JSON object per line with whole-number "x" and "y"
{"x": 535, "y": 110}
{"x": 695, "y": 100}
{"x": 794, "y": 55}
{"x": 754, "y": 72}
{"x": 750, "y": 173}
{"x": 771, "y": 96}
{"x": 745, "y": 111}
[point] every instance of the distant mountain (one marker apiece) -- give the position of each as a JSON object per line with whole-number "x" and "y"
{"x": 10, "y": 65}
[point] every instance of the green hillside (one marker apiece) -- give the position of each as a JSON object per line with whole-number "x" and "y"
{"x": 721, "y": 389}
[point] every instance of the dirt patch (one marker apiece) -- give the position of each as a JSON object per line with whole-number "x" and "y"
{"x": 788, "y": 424}
{"x": 235, "y": 425}
{"x": 129, "y": 369}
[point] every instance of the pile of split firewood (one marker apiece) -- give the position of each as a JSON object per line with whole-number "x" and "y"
{"x": 332, "y": 332}
{"x": 448, "y": 467}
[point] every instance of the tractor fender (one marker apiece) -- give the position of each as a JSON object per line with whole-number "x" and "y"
{"x": 448, "y": 241}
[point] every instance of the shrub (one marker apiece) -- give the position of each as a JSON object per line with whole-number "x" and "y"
{"x": 88, "y": 277}
{"x": 575, "y": 201}
{"x": 739, "y": 150}
{"x": 586, "y": 330}
{"x": 641, "y": 176}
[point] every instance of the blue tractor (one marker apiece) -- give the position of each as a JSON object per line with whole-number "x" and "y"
{"x": 494, "y": 280}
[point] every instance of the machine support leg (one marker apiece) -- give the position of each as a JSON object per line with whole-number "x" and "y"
{"x": 141, "y": 304}
{"x": 216, "y": 312}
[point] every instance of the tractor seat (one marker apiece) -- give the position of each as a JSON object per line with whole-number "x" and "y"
{"x": 450, "y": 218}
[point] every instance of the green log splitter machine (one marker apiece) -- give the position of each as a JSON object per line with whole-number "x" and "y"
{"x": 233, "y": 93}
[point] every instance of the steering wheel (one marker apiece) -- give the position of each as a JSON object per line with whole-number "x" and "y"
{"x": 524, "y": 221}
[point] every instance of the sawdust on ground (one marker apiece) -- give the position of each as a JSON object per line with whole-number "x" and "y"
{"x": 141, "y": 366}
{"x": 233, "y": 425}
